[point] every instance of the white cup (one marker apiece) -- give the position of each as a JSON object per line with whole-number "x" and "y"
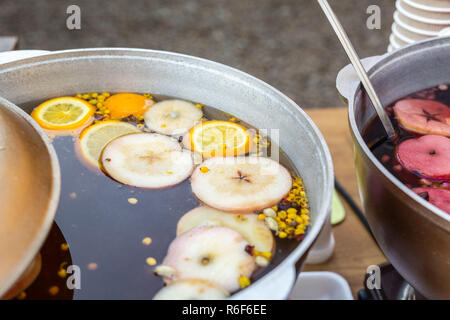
{"x": 396, "y": 42}
{"x": 424, "y": 27}
{"x": 422, "y": 15}
{"x": 428, "y": 30}
{"x": 406, "y": 35}
{"x": 430, "y": 5}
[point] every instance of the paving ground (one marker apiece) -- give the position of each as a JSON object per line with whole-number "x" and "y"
{"x": 287, "y": 43}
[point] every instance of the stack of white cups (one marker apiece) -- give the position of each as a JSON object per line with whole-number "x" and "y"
{"x": 416, "y": 20}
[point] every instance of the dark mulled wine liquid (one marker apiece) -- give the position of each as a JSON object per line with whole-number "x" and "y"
{"x": 385, "y": 150}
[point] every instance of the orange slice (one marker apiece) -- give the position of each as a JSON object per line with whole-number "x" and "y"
{"x": 218, "y": 138}
{"x": 122, "y": 105}
{"x": 63, "y": 113}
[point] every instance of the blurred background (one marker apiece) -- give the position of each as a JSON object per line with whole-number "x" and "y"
{"x": 287, "y": 43}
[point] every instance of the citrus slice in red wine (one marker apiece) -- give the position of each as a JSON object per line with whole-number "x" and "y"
{"x": 423, "y": 116}
{"x": 427, "y": 157}
{"x": 438, "y": 197}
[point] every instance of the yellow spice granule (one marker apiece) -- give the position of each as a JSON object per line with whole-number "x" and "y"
{"x": 204, "y": 169}
{"x": 132, "y": 200}
{"x": 92, "y": 266}
{"x": 146, "y": 241}
{"x": 266, "y": 254}
{"x": 21, "y": 296}
{"x": 53, "y": 290}
{"x": 244, "y": 281}
{"x": 282, "y": 234}
{"x": 151, "y": 261}
{"x": 62, "y": 273}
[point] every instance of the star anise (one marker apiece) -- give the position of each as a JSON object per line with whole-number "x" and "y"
{"x": 430, "y": 116}
{"x": 242, "y": 177}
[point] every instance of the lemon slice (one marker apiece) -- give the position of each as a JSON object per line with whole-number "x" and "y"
{"x": 219, "y": 138}
{"x": 63, "y": 113}
{"x": 93, "y": 139}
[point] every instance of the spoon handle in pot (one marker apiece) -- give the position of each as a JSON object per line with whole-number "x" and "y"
{"x": 354, "y": 59}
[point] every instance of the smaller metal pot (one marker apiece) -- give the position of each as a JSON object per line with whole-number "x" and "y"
{"x": 414, "y": 235}
{"x": 29, "y": 191}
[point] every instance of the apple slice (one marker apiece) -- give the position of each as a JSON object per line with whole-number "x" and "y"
{"x": 147, "y": 160}
{"x": 254, "y": 231}
{"x": 423, "y": 116}
{"x": 438, "y": 197}
{"x": 427, "y": 157}
{"x": 216, "y": 254}
{"x": 192, "y": 289}
{"x": 240, "y": 184}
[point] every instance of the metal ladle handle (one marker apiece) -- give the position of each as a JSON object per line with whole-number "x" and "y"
{"x": 354, "y": 59}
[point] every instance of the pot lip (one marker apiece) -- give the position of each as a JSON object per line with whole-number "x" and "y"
{"x": 383, "y": 62}
{"x": 235, "y": 75}
{"x": 53, "y": 200}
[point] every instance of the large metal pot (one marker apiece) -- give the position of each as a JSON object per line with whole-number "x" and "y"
{"x": 115, "y": 70}
{"x": 414, "y": 235}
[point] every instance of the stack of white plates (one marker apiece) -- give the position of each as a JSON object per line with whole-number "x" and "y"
{"x": 415, "y": 20}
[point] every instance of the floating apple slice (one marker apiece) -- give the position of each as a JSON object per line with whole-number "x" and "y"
{"x": 147, "y": 160}
{"x": 191, "y": 289}
{"x": 216, "y": 254}
{"x": 423, "y": 116}
{"x": 427, "y": 156}
{"x": 254, "y": 231}
{"x": 172, "y": 117}
{"x": 240, "y": 184}
{"x": 438, "y": 197}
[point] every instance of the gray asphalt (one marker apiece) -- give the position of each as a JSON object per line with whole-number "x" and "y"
{"x": 287, "y": 43}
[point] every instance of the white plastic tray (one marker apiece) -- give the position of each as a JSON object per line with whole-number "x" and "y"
{"x": 322, "y": 285}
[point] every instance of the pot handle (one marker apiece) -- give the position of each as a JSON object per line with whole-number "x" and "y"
{"x": 347, "y": 80}
{"x": 10, "y": 56}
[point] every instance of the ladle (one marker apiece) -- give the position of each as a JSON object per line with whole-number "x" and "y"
{"x": 354, "y": 59}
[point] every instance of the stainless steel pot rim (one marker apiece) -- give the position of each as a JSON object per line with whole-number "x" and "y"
{"x": 233, "y": 74}
{"x": 53, "y": 202}
{"x": 385, "y": 60}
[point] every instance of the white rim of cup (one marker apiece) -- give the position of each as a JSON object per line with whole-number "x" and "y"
{"x": 393, "y": 42}
{"x": 413, "y": 29}
{"x": 402, "y": 37}
{"x": 425, "y": 7}
{"x": 418, "y": 18}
